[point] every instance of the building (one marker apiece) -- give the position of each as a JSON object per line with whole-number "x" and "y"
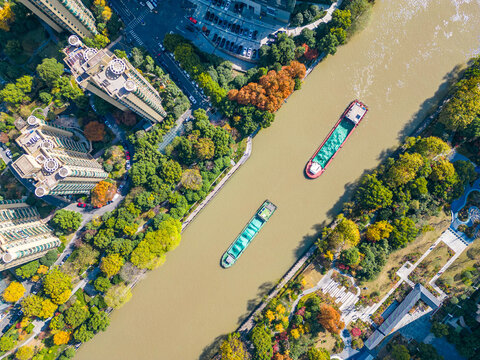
{"x": 56, "y": 159}
{"x": 70, "y": 15}
{"x": 23, "y": 235}
{"x": 240, "y": 28}
{"x": 419, "y": 292}
{"x": 113, "y": 79}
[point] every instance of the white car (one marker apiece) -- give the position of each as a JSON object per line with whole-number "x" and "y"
{"x": 192, "y": 99}
{"x": 249, "y": 52}
{"x": 8, "y": 153}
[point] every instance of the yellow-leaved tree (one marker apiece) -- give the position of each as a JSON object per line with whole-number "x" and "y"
{"x": 61, "y": 337}
{"x": 13, "y": 292}
{"x": 6, "y": 17}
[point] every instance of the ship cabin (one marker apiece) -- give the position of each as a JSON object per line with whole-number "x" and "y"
{"x": 356, "y": 112}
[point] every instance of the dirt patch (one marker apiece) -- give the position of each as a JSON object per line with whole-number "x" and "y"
{"x": 311, "y": 275}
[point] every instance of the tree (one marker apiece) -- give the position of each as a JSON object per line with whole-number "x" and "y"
{"x": 171, "y": 172}
{"x": 439, "y": 329}
{"x": 464, "y": 106}
{"x": 83, "y": 335}
{"x": 13, "y": 292}
{"x": 49, "y": 258}
{"x": 7, "y": 343}
{"x": 117, "y": 296}
{"x": 346, "y": 232}
{"x": 57, "y": 285}
{"x": 428, "y": 352}
{"x": 350, "y": 257}
{"x": 6, "y": 16}
{"x": 50, "y": 70}
{"x": 13, "y": 95}
{"x": 428, "y": 147}
{"x": 262, "y": 342}
{"x": 76, "y": 314}
{"x": 99, "y": 321}
{"x": 67, "y": 220}
{"x": 111, "y": 264}
{"x": 24, "y": 353}
{"x": 318, "y": 354}
{"x": 94, "y": 131}
{"x": 400, "y": 352}
{"x": 328, "y": 44}
{"x": 61, "y": 337}
{"x": 57, "y": 323}
{"x": 102, "y": 193}
{"x": 28, "y": 270}
{"x": 205, "y": 149}
{"x": 25, "y": 83}
{"x": 465, "y": 171}
{"x": 126, "y": 117}
{"x": 102, "y": 284}
{"x": 404, "y": 169}
{"x": 307, "y": 36}
{"x": 329, "y": 318}
{"x": 36, "y": 306}
{"x": 443, "y": 170}
{"x": 13, "y": 48}
{"x": 191, "y": 179}
{"x": 233, "y": 348}
{"x": 341, "y": 19}
{"x": 378, "y": 231}
{"x": 372, "y": 194}
{"x": 404, "y": 231}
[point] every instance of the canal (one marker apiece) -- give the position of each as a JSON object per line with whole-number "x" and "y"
{"x": 399, "y": 66}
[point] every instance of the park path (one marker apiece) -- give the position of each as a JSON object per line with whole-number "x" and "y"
{"x": 211, "y": 195}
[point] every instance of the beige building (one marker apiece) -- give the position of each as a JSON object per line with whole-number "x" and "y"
{"x": 70, "y": 15}
{"x": 56, "y": 160}
{"x": 113, "y": 79}
{"x": 23, "y": 235}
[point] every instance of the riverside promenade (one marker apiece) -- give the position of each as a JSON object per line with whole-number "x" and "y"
{"x": 211, "y": 195}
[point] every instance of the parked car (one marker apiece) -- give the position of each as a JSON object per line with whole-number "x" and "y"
{"x": 249, "y": 52}
{"x": 127, "y": 155}
{"x": 82, "y": 205}
{"x": 192, "y": 99}
{"x": 8, "y": 153}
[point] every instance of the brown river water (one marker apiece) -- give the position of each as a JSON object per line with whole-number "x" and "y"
{"x": 399, "y": 66}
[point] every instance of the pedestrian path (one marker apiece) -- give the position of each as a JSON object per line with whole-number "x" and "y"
{"x": 139, "y": 19}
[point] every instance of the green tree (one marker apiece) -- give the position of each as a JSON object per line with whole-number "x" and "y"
{"x": 318, "y": 354}
{"x": 49, "y": 258}
{"x": 25, "y": 83}
{"x": 372, "y": 194}
{"x": 464, "y": 106}
{"x": 443, "y": 170}
{"x": 50, "y": 70}
{"x": 7, "y": 343}
{"x": 262, "y": 343}
{"x": 28, "y": 270}
{"x": 66, "y": 220}
{"x": 171, "y": 172}
{"x": 465, "y": 171}
{"x": 111, "y": 264}
{"x": 76, "y": 314}
{"x": 400, "y": 352}
{"x": 439, "y": 329}
{"x": 118, "y": 295}
{"x": 404, "y": 231}
{"x": 13, "y": 95}
{"x": 428, "y": 352}
{"x": 233, "y": 348}
{"x": 404, "y": 169}
{"x": 341, "y": 19}
{"x": 350, "y": 257}
{"x": 102, "y": 284}
{"x": 83, "y": 335}
{"x": 328, "y": 44}
{"x": 13, "y": 48}
{"x": 99, "y": 321}
{"x": 57, "y": 323}
{"x": 57, "y": 285}
{"x": 428, "y": 147}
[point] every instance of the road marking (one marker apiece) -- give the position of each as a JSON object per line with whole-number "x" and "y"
{"x": 135, "y": 36}
{"x": 138, "y": 19}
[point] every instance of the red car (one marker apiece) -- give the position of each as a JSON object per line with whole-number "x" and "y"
{"x": 193, "y": 20}
{"x": 82, "y": 205}
{"x": 127, "y": 155}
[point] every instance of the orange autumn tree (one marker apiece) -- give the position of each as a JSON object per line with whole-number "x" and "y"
{"x": 329, "y": 318}
{"x": 102, "y": 193}
{"x": 271, "y": 90}
{"x": 94, "y": 131}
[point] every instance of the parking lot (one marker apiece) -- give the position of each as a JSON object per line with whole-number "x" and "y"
{"x": 230, "y": 27}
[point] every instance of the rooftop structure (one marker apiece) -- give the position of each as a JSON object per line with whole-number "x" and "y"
{"x": 70, "y": 15}
{"x": 23, "y": 235}
{"x": 113, "y": 79}
{"x": 418, "y": 293}
{"x": 58, "y": 163}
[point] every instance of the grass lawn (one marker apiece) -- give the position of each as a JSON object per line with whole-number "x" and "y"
{"x": 431, "y": 264}
{"x": 383, "y": 283}
{"x": 326, "y": 341}
{"x": 452, "y": 276}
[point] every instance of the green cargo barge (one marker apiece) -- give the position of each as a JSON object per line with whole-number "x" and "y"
{"x": 237, "y": 248}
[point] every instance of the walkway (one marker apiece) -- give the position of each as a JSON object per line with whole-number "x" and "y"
{"x": 211, "y": 195}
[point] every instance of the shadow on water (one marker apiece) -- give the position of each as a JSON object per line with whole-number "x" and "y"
{"x": 212, "y": 349}
{"x": 430, "y": 105}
